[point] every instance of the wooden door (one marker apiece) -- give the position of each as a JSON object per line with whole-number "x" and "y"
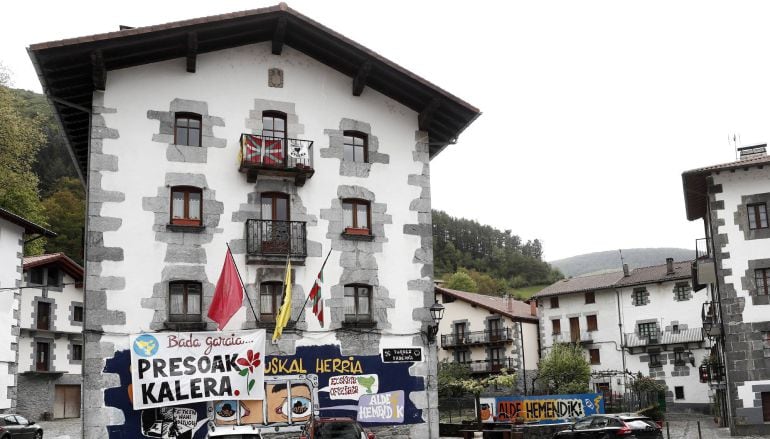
{"x": 44, "y": 316}
{"x": 574, "y": 329}
{"x": 67, "y": 402}
{"x": 766, "y": 406}
{"x": 494, "y": 329}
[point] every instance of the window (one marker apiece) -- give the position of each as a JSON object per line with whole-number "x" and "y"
{"x": 496, "y": 359}
{"x": 460, "y": 333}
{"x": 679, "y": 358}
{"x": 757, "y": 216}
{"x": 187, "y": 129}
{"x": 184, "y": 302}
{"x": 554, "y": 302}
{"x": 648, "y": 330}
{"x": 274, "y": 125}
{"x": 590, "y": 298}
{"x": 44, "y": 316}
{"x": 591, "y": 323}
{"x": 355, "y": 147}
{"x": 594, "y": 354}
{"x": 77, "y": 352}
{"x": 463, "y": 356}
{"x": 77, "y": 313}
{"x": 275, "y": 206}
{"x": 49, "y": 276}
{"x": 654, "y": 360}
{"x": 679, "y": 392}
{"x": 681, "y": 290}
{"x": 186, "y": 206}
{"x": 52, "y": 276}
{"x": 37, "y": 276}
{"x": 766, "y": 406}
{"x": 675, "y": 329}
{"x": 41, "y": 357}
{"x": 356, "y": 216}
{"x": 270, "y": 300}
{"x": 761, "y": 277}
{"x": 556, "y": 323}
{"x": 639, "y": 296}
{"x": 357, "y": 303}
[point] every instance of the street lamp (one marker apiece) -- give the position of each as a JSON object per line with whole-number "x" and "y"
{"x": 436, "y": 313}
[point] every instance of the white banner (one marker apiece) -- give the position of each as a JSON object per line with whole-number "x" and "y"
{"x": 171, "y": 368}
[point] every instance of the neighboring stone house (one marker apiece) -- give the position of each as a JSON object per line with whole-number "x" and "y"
{"x": 489, "y": 333}
{"x": 643, "y": 321}
{"x": 269, "y": 132}
{"x": 13, "y": 231}
{"x": 733, "y": 259}
{"x": 51, "y": 337}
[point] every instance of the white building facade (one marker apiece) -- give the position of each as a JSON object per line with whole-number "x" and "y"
{"x": 13, "y": 232}
{"x": 51, "y": 338}
{"x": 734, "y": 260}
{"x": 641, "y": 321}
{"x": 489, "y": 334}
{"x": 254, "y": 139}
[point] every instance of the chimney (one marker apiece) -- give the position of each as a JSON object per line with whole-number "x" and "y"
{"x": 669, "y": 266}
{"x": 509, "y": 302}
{"x": 625, "y": 270}
{"x": 533, "y": 307}
{"x": 754, "y": 151}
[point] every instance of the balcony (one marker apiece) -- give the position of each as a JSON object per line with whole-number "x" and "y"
{"x": 704, "y": 272}
{"x": 574, "y": 337}
{"x": 265, "y": 155}
{"x": 269, "y": 241}
{"x": 691, "y": 338}
{"x": 490, "y": 366}
{"x": 711, "y": 325}
{"x": 477, "y": 338}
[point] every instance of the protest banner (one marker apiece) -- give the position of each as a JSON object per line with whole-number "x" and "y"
{"x": 169, "y": 368}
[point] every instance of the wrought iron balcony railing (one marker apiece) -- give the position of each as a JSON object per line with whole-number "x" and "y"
{"x": 276, "y": 238}
{"x": 691, "y": 335}
{"x": 491, "y": 365}
{"x": 276, "y": 156}
{"x": 477, "y": 337}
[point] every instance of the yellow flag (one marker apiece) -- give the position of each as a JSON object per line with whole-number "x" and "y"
{"x": 284, "y": 314}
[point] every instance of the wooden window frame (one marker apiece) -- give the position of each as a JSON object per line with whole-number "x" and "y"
{"x": 679, "y": 390}
{"x": 592, "y": 327}
{"x": 357, "y": 135}
{"x": 75, "y": 309}
{"x": 655, "y": 360}
{"x": 186, "y": 221}
{"x": 357, "y": 229}
{"x": 595, "y": 356}
{"x": 680, "y": 358}
{"x": 638, "y": 296}
{"x": 765, "y": 289}
{"x": 188, "y": 116}
{"x": 753, "y": 212}
{"x": 680, "y": 291}
{"x": 358, "y": 316}
{"x": 273, "y": 196}
{"x": 274, "y": 289}
{"x": 590, "y": 297}
{"x": 185, "y": 294}
{"x": 555, "y": 324}
{"x": 275, "y": 114}
{"x": 39, "y": 315}
{"x": 47, "y": 356}
{"x": 554, "y": 302}
{"x": 644, "y": 330}
{"x": 77, "y": 348}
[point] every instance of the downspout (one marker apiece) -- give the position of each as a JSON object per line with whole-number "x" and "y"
{"x": 523, "y": 355}
{"x": 622, "y": 343}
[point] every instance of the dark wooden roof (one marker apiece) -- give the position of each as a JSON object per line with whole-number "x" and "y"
{"x": 30, "y": 228}
{"x": 695, "y": 184}
{"x": 59, "y": 259}
{"x": 509, "y": 307}
{"x": 70, "y": 70}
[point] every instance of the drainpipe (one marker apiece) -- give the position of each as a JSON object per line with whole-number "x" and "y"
{"x": 523, "y": 355}
{"x": 622, "y": 341}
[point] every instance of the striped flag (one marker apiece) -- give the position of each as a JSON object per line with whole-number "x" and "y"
{"x": 315, "y": 293}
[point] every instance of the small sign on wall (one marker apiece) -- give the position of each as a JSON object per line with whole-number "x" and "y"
{"x": 397, "y": 355}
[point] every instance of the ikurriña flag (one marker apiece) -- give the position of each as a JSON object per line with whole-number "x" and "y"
{"x": 315, "y": 293}
{"x": 228, "y": 296}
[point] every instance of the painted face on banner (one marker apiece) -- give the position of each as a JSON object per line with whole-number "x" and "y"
{"x": 279, "y": 404}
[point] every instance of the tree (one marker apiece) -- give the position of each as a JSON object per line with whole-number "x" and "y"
{"x": 66, "y": 209}
{"x": 454, "y": 379}
{"x": 20, "y": 139}
{"x": 565, "y": 370}
{"x": 461, "y": 281}
{"x": 449, "y": 376}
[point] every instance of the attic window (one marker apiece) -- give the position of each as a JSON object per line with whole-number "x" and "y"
{"x": 554, "y": 302}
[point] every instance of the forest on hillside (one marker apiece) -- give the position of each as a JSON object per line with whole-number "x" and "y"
{"x": 496, "y": 261}
{"x": 39, "y": 180}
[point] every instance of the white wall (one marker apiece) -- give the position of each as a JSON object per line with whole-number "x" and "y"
{"x": 10, "y": 235}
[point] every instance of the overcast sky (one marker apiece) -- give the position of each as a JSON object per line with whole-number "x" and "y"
{"x": 591, "y": 109}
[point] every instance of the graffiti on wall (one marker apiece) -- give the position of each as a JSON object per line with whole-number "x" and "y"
{"x": 317, "y": 379}
{"x": 545, "y": 408}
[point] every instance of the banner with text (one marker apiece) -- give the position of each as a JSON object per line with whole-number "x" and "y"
{"x": 169, "y": 368}
{"x": 544, "y": 408}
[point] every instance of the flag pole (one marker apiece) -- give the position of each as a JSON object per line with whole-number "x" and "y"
{"x": 245, "y": 291}
{"x": 302, "y": 310}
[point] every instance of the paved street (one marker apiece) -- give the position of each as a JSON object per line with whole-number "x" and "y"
{"x": 62, "y": 429}
{"x": 681, "y": 426}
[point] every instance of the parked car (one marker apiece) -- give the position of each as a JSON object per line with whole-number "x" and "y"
{"x": 18, "y": 427}
{"x": 335, "y": 428}
{"x": 610, "y": 426}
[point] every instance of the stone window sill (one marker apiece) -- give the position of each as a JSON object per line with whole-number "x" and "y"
{"x": 357, "y": 237}
{"x": 359, "y": 324}
{"x": 186, "y": 229}
{"x": 185, "y": 326}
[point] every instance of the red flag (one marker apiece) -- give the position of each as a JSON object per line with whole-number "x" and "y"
{"x": 228, "y": 296}
{"x": 315, "y": 295}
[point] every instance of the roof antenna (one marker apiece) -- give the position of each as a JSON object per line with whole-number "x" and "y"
{"x": 734, "y": 140}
